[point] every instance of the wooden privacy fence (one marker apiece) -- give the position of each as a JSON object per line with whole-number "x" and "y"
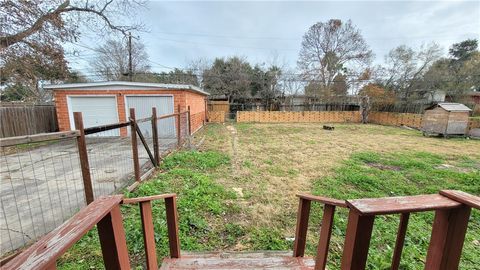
{"x": 296, "y": 117}
{"x": 216, "y": 117}
{"x": 26, "y": 119}
{"x": 396, "y": 119}
{"x": 219, "y": 106}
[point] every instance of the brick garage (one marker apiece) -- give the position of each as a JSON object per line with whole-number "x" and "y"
{"x": 108, "y": 102}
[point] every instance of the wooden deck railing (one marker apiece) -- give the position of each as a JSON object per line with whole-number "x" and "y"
{"x": 452, "y": 211}
{"x": 105, "y": 213}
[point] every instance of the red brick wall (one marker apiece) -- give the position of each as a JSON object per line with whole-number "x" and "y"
{"x": 197, "y": 109}
{"x": 182, "y": 98}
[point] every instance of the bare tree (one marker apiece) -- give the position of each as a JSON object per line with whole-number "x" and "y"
{"x": 32, "y": 33}
{"x": 405, "y": 68}
{"x": 330, "y": 49}
{"x": 111, "y": 61}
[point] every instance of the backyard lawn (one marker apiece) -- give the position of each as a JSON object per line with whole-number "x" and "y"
{"x": 237, "y": 190}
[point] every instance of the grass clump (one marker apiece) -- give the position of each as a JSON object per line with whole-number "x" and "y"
{"x": 369, "y": 174}
{"x": 202, "y": 206}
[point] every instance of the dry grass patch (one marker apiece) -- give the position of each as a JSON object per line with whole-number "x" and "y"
{"x": 273, "y": 162}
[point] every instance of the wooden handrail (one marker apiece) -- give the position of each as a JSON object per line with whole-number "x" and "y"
{"x": 462, "y": 197}
{"x": 324, "y": 200}
{"x": 44, "y": 253}
{"x": 105, "y": 213}
{"x": 406, "y": 204}
{"x": 452, "y": 211}
{"x": 148, "y": 198}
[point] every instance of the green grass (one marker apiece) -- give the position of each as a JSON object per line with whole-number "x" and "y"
{"x": 368, "y": 174}
{"x": 202, "y": 205}
{"x": 212, "y": 215}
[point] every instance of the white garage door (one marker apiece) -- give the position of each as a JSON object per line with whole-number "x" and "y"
{"x": 96, "y": 111}
{"x": 143, "y": 108}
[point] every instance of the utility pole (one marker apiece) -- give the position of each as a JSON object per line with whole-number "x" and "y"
{"x": 130, "y": 68}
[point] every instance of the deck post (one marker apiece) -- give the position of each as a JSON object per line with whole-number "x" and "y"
{"x": 303, "y": 215}
{"x": 172, "y": 226}
{"x": 448, "y": 235}
{"x": 112, "y": 241}
{"x": 155, "y": 136}
{"x": 83, "y": 155}
{"x": 357, "y": 241}
{"x": 133, "y": 134}
{"x": 402, "y": 230}
{"x": 148, "y": 235}
{"x": 325, "y": 234}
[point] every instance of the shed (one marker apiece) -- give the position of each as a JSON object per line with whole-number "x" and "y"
{"x": 446, "y": 119}
{"x": 104, "y": 103}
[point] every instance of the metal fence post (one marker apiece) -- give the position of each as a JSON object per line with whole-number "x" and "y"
{"x": 179, "y": 138}
{"x": 83, "y": 155}
{"x": 189, "y": 122}
{"x": 133, "y": 134}
{"x": 155, "y": 136}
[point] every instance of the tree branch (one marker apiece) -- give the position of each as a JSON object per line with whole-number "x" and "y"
{"x": 6, "y": 41}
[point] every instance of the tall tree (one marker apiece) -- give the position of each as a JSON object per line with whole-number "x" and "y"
{"x": 176, "y": 76}
{"x": 456, "y": 75}
{"x": 112, "y": 60}
{"x": 33, "y": 32}
{"x": 229, "y": 77}
{"x": 405, "y": 68}
{"x": 330, "y": 49}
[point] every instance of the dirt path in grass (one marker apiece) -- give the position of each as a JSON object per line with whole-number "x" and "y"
{"x": 234, "y": 145}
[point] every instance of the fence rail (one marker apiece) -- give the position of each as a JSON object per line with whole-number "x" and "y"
{"x": 46, "y": 178}
{"x": 20, "y": 119}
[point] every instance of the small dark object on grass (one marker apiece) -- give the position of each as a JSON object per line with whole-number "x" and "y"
{"x": 328, "y": 127}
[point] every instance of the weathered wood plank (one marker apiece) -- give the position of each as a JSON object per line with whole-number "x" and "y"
{"x": 172, "y": 226}
{"x": 148, "y": 198}
{"x": 20, "y": 119}
{"x": 324, "y": 200}
{"x": 325, "y": 234}
{"x": 357, "y": 241}
{"x": 448, "y": 235}
{"x": 462, "y": 197}
{"x": 303, "y": 215}
{"x": 402, "y": 230}
{"x": 148, "y": 235}
{"x": 53, "y": 245}
{"x": 43, "y": 137}
{"x": 397, "y": 205}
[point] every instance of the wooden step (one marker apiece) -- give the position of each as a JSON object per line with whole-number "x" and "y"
{"x": 238, "y": 260}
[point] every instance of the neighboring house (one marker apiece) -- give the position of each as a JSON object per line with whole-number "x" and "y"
{"x": 436, "y": 96}
{"x": 103, "y": 103}
{"x": 475, "y": 98}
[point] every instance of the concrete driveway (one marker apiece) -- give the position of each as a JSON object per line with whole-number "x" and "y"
{"x": 41, "y": 187}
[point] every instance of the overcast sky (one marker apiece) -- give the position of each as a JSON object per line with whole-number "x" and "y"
{"x": 262, "y": 31}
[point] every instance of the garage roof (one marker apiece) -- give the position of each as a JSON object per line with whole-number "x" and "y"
{"x": 119, "y": 85}
{"x": 452, "y": 107}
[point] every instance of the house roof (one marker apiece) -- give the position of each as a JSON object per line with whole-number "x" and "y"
{"x": 120, "y": 85}
{"x": 451, "y": 107}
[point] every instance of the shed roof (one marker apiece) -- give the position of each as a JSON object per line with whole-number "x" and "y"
{"x": 120, "y": 85}
{"x": 451, "y": 107}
